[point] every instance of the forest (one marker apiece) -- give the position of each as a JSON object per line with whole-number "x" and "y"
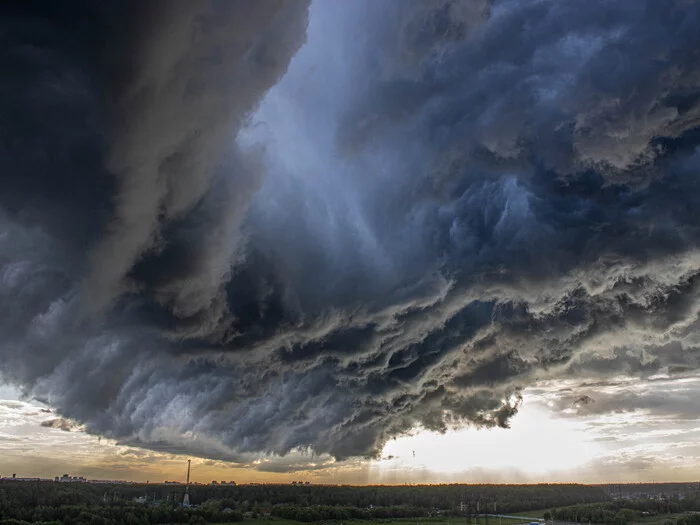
{"x": 83, "y": 503}
{"x": 40, "y": 502}
{"x": 506, "y": 498}
{"x": 622, "y": 511}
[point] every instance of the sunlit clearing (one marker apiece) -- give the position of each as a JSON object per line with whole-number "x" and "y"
{"x": 535, "y": 443}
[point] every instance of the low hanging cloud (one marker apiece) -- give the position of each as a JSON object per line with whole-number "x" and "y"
{"x": 245, "y": 229}
{"x": 59, "y": 423}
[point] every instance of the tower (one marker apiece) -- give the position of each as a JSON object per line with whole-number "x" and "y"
{"x": 186, "y": 500}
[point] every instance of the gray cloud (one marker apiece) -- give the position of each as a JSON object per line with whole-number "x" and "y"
{"x": 658, "y": 399}
{"x": 236, "y": 244}
{"x": 59, "y": 423}
{"x": 584, "y": 400}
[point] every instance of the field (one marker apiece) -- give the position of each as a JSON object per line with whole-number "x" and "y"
{"x": 652, "y": 520}
{"x": 403, "y": 521}
{"x": 502, "y": 521}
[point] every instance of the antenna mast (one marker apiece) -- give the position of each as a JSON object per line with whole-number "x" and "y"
{"x": 186, "y": 500}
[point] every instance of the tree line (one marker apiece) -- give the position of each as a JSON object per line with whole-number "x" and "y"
{"x": 504, "y": 498}
{"x": 625, "y": 511}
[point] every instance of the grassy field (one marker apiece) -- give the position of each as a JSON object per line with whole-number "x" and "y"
{"x": 399, "y": 521}
{"x": 502, "y": 521}
{"x": 407, "y": 521}
{"x": 651, "y": 520}
{"x": 262, "y": 521}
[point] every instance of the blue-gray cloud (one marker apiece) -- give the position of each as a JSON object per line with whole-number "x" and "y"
{"x": 239, "y": 243}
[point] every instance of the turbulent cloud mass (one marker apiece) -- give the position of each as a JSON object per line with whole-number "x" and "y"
{"x": 263, "y": 227}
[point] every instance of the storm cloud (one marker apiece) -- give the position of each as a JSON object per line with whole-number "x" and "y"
{"x": 268, "y": 227}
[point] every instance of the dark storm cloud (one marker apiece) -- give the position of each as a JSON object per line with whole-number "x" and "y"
{"x": 437, "y": 205}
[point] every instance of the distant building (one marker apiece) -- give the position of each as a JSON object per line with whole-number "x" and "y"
{"x": 71, "y": 479}
{"x": 15, "y": 478}
{"x": 108, "y": 482}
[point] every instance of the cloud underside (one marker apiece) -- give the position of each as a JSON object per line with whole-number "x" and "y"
{"x": 262, "y": 227}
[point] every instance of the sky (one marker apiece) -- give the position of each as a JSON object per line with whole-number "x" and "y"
{"x": 544, "y": 444}
{"x": 352, "y": 242}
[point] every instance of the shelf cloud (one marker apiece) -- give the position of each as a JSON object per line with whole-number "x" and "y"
{"x": 262, "y": 227}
